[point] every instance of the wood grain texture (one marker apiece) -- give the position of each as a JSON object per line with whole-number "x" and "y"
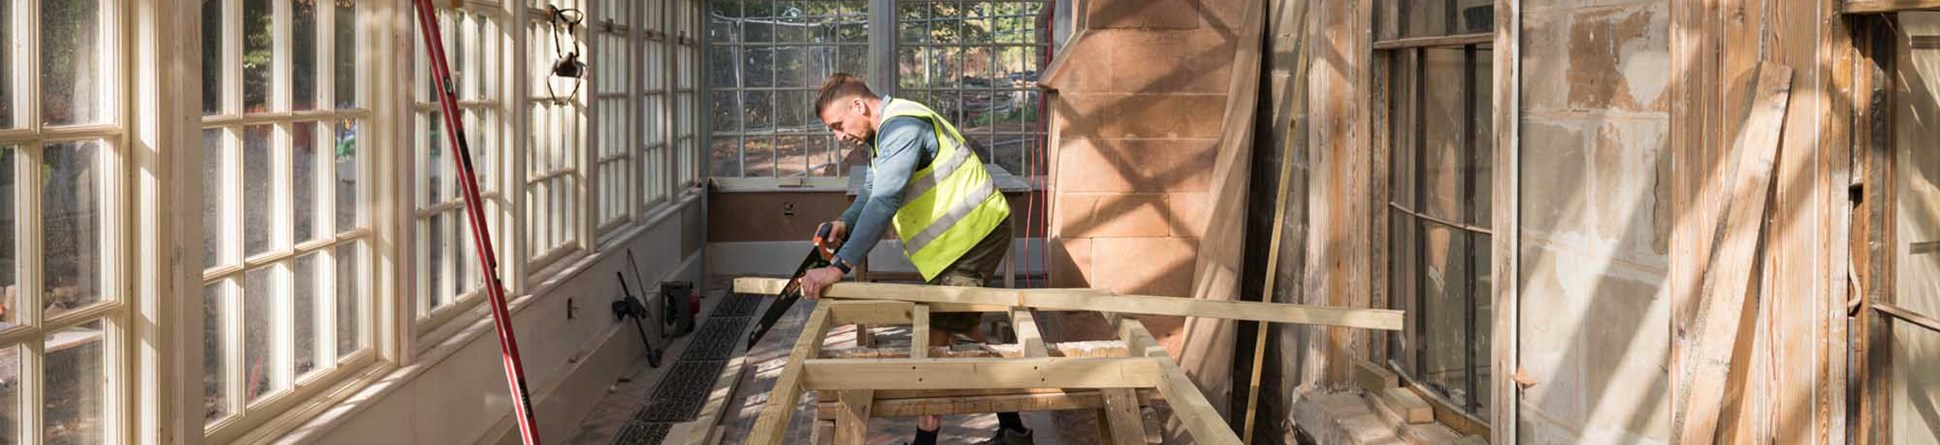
{"x": 1122, "y": 418}
{"x": 1028, "y": 335}
{"x": 975, "y": 373}
{"x": 1132, "y": 304}
{"x": 852, "y": 419}
{"x": 1505, "y": 248}
{"x": 773, "y": 423}
{"x": 1742, "y": 229}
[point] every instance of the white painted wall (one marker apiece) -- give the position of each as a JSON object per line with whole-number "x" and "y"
{"x": 456, "y": 394}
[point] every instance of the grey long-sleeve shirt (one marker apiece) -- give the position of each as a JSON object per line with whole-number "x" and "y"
{"x": 903, "y": 146}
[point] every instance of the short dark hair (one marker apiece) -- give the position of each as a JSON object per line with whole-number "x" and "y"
{"x": 840, "y": 86}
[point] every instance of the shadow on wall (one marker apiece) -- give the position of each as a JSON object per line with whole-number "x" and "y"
{"x": 1138, "y": 114}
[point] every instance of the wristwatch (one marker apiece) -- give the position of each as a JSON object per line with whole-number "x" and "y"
{"x": 839, "y": 264}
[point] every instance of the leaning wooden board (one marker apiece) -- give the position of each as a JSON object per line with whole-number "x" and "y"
{"x": 1730, "y": 277}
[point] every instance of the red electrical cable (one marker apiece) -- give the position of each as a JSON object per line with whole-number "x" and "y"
{"x": 475, "y": 213}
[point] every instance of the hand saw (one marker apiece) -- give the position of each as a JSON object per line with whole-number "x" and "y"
{"x": 818, "y": 257}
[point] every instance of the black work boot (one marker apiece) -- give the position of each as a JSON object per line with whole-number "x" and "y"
{"x": 1009, "y": 437}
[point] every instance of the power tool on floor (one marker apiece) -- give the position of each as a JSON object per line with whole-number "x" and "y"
{"x": 819, "y": 255}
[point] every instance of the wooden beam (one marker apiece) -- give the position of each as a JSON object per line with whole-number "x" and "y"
{"x": 975, "y": 373}
{"x": 1028, "y": 335}
{"x": 1122, "y": 418}
{"x": 1383, "y": 319}
{"x": 1109, "y": 348}
{"x": 980, "y": 404}
{"x": 823, "y": 434}
{"x": 1730, "y": 276}
{"x": 1191, "y": 407}
{"x": 919, "y": 332}
{"x": 852, "y": 420}
{"x": 1915, "y": 318}
{"x": 870, "y": 312}
{"x": 773, "y": 423}
{"x": 1373, "y": 377}
{"x": 1435, "y": 41}
{"x": 1406, "y": 404}
{"x": 1137, "y": 340}
{"x": 1188, "y": 404}
{"x": 1882, "y": 6}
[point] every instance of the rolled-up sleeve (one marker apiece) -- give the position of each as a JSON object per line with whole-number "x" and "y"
{"x": 901, "y": 150}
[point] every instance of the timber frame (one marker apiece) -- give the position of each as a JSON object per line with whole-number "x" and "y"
{"x": 1115, "y": 378}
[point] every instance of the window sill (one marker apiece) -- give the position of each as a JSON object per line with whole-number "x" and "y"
{"x": 358, "y": 393}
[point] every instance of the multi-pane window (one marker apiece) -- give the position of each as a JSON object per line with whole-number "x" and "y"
{"x": 445, "y": 261}
{"x": 286, "y": 283}
{"x": 766, "y": 60}
{"x": 614, "y": 102}
{"x": 687, "y": 51}
{"x": 557, "y": 137}
{"x": 63, "y": 310}
{"x": 1440, "y": 145}
{"x": 977, "y": 63}
{"x": 654, "y": 112}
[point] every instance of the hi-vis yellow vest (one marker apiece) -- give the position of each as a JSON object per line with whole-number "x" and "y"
{"x": 948, "y": 206}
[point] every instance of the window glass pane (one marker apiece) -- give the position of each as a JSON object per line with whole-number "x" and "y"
{"x": 1483, "y": 301}
{"x": 435, "y": 162}
{"x": 10, "y": 395}
{"x": 304, "y": 309}
{"x": 1404, "y": 292}
{"x": 71, "y": 224}
{"x": 438, "y": 251}
{"x": 257, "y": 184}
{"x": 215, "y": 381}
{"x": 9, "y": 290}
{"x": 76, "y": 386}
{"x": 1445, "y": 310}
{"x": 1914, "y": 352}
{"x": 1444, "y": 121}
{"x": 303, "y": 54}
{"x": 347, "y": 51}
{"x": 1481, "y": 162}
{"x": 350, "y": 288}
{"x": 6, "y": 65}
{"x": 1423, "y": 18}
{"x": 74, "y": 78}
{"x": 257, "y": 39}
{"x": 259, "y": 334}
{"x": 214, "y": 226}
{"x": 303, "y": 180}
{"x": 346, "y": 187}
{"x": 212, "y": 60}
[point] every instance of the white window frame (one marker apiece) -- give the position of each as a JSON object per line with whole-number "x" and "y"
{"x": 881, "y": 51}
{"x": 474, "y": 78}
{"x": 560, "y": 191}
{"x": 245, "y": 416}
{"x": 615, "y": 171}
{"x": 113, "y": 311}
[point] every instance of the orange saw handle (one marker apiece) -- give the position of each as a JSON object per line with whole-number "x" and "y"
{"x": 824, "y": 242}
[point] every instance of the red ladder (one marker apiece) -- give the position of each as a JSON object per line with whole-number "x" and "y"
{"x": 475, "y": 213}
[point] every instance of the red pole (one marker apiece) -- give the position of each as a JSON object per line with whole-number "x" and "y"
{"x": 475, "y": 213}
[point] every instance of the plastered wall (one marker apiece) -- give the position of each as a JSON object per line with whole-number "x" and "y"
{"x": 1595, "y": 335}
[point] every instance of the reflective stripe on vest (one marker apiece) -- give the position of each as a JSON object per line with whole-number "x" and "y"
{"x": 947, "y": 209}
